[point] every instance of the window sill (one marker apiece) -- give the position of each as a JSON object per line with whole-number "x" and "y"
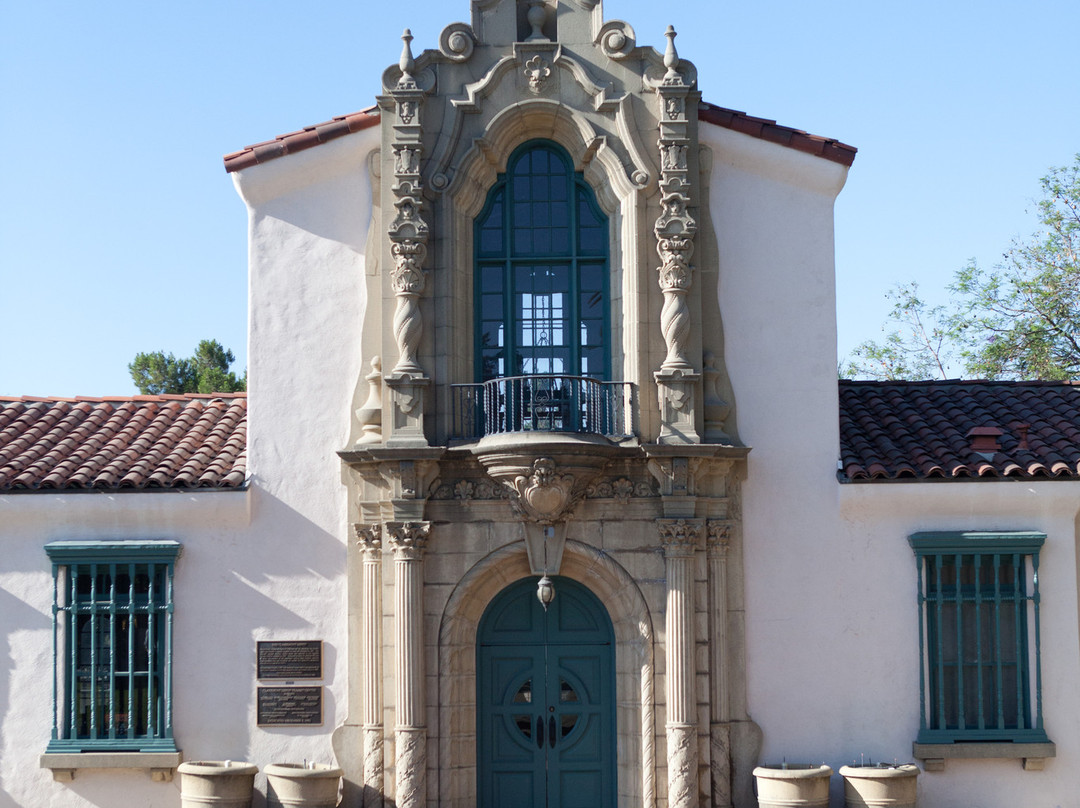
{"x": 1032, "y": 755}
{"x": 161, "y": 765}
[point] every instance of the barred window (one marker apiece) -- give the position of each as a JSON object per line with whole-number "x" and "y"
{"x": 980, "y": 677}
{"x": 112, "y": 645}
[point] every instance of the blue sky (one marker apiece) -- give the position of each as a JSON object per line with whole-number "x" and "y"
{"x": 120, "y": 231}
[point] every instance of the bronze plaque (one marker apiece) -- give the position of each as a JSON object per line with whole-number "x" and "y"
{"x": 288, "y": 706}
{"x": 289, "y": 659}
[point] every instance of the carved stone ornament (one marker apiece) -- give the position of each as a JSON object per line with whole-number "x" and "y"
{"x": 675, "y": 228}
{"x": 369, "y": 416}
{"x": 537, "y": 71}
{"x": 621, "y": 490}
{"x": 544, "y": 495}
{"x": 679, "y": 537}
{"x": 408, "y": 539}
{"x": 469, "y": 490}
{"x": 718, "y": 536}
{"x": 457, "y": 42}
{"x": 368, "y": 538}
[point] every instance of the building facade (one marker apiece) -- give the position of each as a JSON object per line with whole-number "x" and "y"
{"x": 541, "y": 448}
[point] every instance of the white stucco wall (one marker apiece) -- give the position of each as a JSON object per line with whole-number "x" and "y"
{"x": 268, "y": 563}
{"x": 832, "y": 616}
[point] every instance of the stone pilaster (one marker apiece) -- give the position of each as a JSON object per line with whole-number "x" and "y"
{"x": 680, "y": 539}
{"x": 717, "y": 539}
{"x": 677, "y": 381}
{"x": 369, "y": 538}
{"x": 407, "y": 540}
{"x": 408, "y": 234}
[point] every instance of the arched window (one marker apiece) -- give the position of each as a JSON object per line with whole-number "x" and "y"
{"x": 541, "y": 263}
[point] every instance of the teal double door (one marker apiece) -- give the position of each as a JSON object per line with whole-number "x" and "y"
{"x": 545, "y": 700}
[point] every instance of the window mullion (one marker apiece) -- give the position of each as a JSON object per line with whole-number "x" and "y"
{"x": 151, "y": 659}
{"x": 940, "y": 662}
{"x": 961, "y": 657}
{"x": 997, "y": 644}
{"x": 73, "y": 644}
{"x": 1021, "y": 629}
{"x": 112, "y": 652}
{"x": 920, "y": 562}
{"x": 167, "y": 722}
{"x": 131, "y": 650}
{"x": 1038, "y": 655}
{"x": 93, "y": 651}
{"x": 978, "y": 637}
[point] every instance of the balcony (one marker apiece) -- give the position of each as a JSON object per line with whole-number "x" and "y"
{"x": 576, "y": 404}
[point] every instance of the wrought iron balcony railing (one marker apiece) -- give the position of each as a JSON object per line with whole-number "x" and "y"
{"x": 541, "y": 404}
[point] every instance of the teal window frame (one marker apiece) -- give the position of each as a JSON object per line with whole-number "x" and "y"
{"x": 516, "y": 238}
{"x": 980, "y": 675}
{"x": 112, "y": 645}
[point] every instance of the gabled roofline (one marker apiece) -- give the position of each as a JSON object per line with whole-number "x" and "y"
{"x": 306, "y": 138}
{"x": 763, "y": 128}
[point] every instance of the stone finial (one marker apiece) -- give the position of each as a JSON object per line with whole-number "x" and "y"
{"x": 406, "y": 63}
{"x": 671, "y": 56}
{"x": 536, "y": 16}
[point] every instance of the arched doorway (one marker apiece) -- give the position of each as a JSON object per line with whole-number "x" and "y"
{"x": 545, "y": 699}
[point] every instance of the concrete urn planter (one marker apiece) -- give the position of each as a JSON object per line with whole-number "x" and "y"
{"x": 792, "y": 784}
{"x": 314, "y": 785}
{"x": 221, "y": 783}
{"x": 880, "y": 785}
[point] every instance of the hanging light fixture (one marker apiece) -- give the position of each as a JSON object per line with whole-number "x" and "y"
{"x": 545, "y": 588}
{"x": 545, "y": 592}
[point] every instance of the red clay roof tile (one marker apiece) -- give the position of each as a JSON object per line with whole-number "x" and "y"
{"x": 904, "y": 430}
{"x": 764, "y": 128}
{"x": 123, "y": 444}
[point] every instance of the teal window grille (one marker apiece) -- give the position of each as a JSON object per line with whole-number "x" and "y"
{"x": 112, "y": 645}
{"x": 541, "y": 282}
{"x": 980, "y": 676}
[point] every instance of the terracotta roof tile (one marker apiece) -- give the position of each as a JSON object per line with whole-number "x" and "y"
{"x": 763, "y": 128}
{"x": 920, "y": 430}
{"x": 123, "y": 444}
{"x": 305, "y": 138}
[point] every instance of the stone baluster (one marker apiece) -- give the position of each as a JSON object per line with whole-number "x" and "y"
{"x": 369, "y": 538}
{"x": 680, "y": 539}
{"x": 407, "y": 540}
{"x": 717, "y": 540}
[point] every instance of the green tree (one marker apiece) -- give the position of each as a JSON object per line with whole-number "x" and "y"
{"x": 158, "y": 373}
{"x": 1019, "y": 320}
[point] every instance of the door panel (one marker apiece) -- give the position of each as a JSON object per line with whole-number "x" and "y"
{"x": 546, "y": 701}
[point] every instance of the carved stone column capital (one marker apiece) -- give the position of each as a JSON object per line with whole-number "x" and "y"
{"x": 717, "y": 537}
{"x": 680, "y": 537}
{"x": 369, "y": 539}
{"x": 408, "y": 539}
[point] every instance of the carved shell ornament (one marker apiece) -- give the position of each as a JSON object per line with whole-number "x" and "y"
{"x": 544, "y": 495}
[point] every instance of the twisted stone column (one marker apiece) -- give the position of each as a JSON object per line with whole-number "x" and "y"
{"x": 680, "y": 539}
{"x": 407, "y": 540}
{"x": 717, "y": 538}
{"x": 369, "y": 537}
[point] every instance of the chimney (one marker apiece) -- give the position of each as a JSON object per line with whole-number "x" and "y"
{"x": 984, "y": 440}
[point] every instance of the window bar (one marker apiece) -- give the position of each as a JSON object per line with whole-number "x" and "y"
{"x": 940, "y": 672}
{"x": 958, "y": 597}
{"x": 55, "y": 653}
{"x": 978, "y": 637}
{"x": 1018, "y": 604}
{"x": 131, "y": 650}
{"x": 997, "y": 642}
{"x": 168, "y": 648}
{"x": 112, "y": 653}
{"x": 93, "y": 651}
{"x": 73, "y": 642}
{"x": 151, "y": 662}
{"x": 920, "y": 563}
{"x": 1038, "y": 656}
